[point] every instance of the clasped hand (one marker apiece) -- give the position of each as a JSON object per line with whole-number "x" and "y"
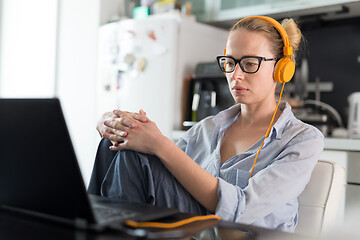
{"x": 131, "y": 131}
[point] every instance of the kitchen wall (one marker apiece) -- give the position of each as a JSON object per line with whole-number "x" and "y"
{"x": 77, "y": 36}
{"x": 333, "y": 52}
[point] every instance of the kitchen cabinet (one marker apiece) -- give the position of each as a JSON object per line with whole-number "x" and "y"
{"x": 203, "y": 9}
{"x": 346, "y": 152}
{"x": 224, "y": 13}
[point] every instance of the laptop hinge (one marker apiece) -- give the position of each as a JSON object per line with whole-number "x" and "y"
{"x": 81, "y": 223}
{"x": 78, "y": 222}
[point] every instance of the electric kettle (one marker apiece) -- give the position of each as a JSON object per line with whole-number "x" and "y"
{"x": 354, "y": 115}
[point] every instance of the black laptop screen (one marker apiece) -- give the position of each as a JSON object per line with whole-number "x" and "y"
{"x": 38, "y": 167}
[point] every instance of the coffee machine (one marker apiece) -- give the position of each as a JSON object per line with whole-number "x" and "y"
{"x": 208, "y": 93}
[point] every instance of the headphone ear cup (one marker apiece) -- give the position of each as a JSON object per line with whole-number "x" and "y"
{"x": 284, "y": 70}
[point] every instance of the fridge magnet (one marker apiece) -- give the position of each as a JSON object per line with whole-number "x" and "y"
{"x": 141, "y": 64}
{"x": 129, "y": 59}
{"x": 152, "y": 35}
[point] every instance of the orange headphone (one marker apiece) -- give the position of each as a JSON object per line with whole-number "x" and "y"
{"x": 285, "y": 67}
{"x": 283, "y": 72}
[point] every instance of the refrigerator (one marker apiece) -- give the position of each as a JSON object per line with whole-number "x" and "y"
{"x": 146, "y": 64}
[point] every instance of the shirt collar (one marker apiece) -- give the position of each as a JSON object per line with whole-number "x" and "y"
{"x": 280, "y": 124}
{"x": 228, "y": 115}
{"x": 225, "y": 118}
{"x": 222, "y": 121}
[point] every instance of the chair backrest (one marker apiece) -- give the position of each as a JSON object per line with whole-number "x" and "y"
{"x": 319, "y": 202}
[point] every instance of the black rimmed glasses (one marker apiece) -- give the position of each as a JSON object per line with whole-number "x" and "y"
{"x": 248, "y": 64}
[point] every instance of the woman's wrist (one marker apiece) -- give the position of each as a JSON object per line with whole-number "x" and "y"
{"x": 163, "y": 148}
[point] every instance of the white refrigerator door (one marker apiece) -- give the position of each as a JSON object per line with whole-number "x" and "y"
{"x": 146, "y": 64}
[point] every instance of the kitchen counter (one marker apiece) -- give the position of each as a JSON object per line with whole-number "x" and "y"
{"x": 342, "y": 144}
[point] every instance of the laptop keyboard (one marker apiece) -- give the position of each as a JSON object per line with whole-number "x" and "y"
{"x": 107, "y": 214}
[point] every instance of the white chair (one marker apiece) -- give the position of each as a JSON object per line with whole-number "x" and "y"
{"x": 319, "y": 202}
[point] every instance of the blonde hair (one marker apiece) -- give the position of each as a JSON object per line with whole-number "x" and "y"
{"x": 274, "y": 36}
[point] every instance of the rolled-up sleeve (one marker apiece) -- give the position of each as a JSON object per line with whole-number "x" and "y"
{"x": 231, "y": 201}
{"x": 181, "y": 143}
{"x": 272, "y": 188}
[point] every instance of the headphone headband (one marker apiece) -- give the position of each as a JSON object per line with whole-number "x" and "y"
{"x": 287, "y": 50}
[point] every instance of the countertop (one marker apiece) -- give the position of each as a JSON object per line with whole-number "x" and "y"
{"x": 342, "y": 144}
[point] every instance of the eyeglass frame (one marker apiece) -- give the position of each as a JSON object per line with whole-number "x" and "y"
{"x": 237, "y": 61}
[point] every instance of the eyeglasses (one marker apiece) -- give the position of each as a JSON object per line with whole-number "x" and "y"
{"x": 248, "y": 64}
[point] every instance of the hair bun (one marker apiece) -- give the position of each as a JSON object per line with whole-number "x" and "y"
{"x": 293, "y": 32}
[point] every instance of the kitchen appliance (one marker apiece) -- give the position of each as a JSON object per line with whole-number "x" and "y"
{"x": 143, "y": 64}
{"x": 354, "y": 115}
{"x": 314, "y": 112}
{"x": 208, "y": 93}
{"x": 319, "y": 114}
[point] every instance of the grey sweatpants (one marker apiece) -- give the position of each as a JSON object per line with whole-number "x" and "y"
{"x": 138, "y": 177}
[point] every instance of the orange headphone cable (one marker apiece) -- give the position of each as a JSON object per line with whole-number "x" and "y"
{"x": 134, "y": 224}
{"x": 268, "y": 131}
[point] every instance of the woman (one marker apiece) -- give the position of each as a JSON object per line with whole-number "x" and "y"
{"x": 209, "y": 169}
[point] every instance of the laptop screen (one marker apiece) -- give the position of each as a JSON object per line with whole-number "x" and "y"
{"x": 38, "y": 167}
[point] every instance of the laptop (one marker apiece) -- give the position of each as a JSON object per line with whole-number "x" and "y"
{"x": 40, "y": 175}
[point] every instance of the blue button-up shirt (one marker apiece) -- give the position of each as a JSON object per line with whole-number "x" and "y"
{"x": 282, "y": 170}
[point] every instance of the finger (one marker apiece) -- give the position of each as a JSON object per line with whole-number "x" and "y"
{"x": 120, "y": 133}
{"x": 120, "y": 113}
{"x": 115, "y": 148}
{"x": 120, "y": 123}
{"x": 127, "y": 122}
{"x": 138, "y": 117}
{"x": 114, "y": 137}
{"x": 120, "y": 146}
{"x": 141, "y": 112}
{"x": 109, "y": 131}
